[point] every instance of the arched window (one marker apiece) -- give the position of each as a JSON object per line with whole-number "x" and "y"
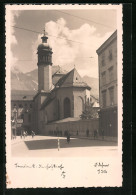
{"x": 88, "y": 100}
{"x": 67, "y": 106}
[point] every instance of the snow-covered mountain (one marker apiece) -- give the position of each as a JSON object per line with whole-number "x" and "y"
{"x": 29, "y": 81}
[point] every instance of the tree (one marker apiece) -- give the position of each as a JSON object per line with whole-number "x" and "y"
{"x": 89, "y": 113}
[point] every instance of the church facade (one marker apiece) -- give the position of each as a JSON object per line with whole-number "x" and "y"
{"x": 61, "y": 95}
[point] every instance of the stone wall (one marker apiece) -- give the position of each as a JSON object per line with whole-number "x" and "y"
{"x": 73, "y": 127}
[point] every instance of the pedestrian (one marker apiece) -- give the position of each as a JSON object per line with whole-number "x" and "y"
{"x": 33, "y": 134}
{"x": 95, "y": 133}
{"x": 68, "y": 138}
{"x": 87, "y": 132}
{"x": 102, "y": 134}
{"x": 77, "y": 133}
{"x": 24, "y": 134}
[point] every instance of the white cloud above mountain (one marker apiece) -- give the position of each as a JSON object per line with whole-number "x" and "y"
{"x": 81, "y": 53}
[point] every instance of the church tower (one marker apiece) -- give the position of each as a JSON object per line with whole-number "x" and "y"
{"x": 44, "y": 65}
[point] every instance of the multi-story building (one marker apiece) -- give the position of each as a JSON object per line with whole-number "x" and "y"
{"x": 107, "y": 60}
{"x": 22, "y": 110}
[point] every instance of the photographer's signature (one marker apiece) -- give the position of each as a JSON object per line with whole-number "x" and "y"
{"x": 102, "y": 168}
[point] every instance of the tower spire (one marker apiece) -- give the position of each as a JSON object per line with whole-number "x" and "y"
{"x": 44, "y": 32}
{"x": 44, "y": 37}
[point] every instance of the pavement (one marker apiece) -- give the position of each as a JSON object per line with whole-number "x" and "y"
{"x": 41, "y": 146}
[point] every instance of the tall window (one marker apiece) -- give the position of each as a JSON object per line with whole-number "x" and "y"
{"x": 103, "y": 59}
{"x": 111, "y": 95}
{"x": 104, "y": 99}
{"x": 111, "y": 75}
{"x": 67, "y": 110}
{"x": 104, "y": 77}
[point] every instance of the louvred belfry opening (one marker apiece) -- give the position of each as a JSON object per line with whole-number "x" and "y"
{"x": 44, "y": 65}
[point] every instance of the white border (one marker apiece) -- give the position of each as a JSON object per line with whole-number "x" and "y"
{"x": 36, "y": 178}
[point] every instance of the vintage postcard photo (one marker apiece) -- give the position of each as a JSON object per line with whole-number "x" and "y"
{"x": 63, "y": 96}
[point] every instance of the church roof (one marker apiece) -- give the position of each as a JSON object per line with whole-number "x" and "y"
{"x": 59, "y": 71}
{"x": 21, "y": 95}
{"x": 72, "y": 79}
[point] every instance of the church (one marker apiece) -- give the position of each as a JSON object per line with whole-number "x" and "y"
{"x": 61, "y": 98}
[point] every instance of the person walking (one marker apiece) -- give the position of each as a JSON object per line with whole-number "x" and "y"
{"x": 95, "y": 133}
{"x": 68, "y": 138}
{"x": 33, "y": 134}
{"x": 24, "y": 134}
{"x": 87, "y": 132}
{"x": 102, "y": 134}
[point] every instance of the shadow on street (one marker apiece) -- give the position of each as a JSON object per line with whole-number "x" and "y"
{"x": 53, "y": 143}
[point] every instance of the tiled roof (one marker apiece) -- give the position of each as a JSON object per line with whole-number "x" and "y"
{"x": 72, "y": 79}
{"x": 58, "y": 74}
{"x": 22, "y": 95}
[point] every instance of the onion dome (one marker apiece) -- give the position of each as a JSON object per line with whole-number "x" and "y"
{"x": 44, "y": 45}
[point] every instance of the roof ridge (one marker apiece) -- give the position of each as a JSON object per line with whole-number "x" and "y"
{"x": 63, "y": 77}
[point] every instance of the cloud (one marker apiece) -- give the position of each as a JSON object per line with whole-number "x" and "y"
{"x": 67, "y": 53}
{"x": 13, "y": 41}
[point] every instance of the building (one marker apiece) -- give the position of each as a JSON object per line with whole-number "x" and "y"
{"x": 60, "y": 95}
{"x": 107, "y": 60}
{"x": 22, "y": 108}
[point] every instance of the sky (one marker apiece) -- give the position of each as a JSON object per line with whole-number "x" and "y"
{"x": 88, "y": 30}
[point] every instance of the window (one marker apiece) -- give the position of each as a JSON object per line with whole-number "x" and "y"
{"x": 22, "y": 116}
{"x": 29, "y": 117}
{"x": 110, "y": 54}
{"x": 103, "y": 59}
{"x": 103, "y": 77}
{"x": 67, "y": 108}
{"x": 88, "y": 100}
{"x": 104, "y": 99}
{"x": 111, "y": 95}
{"x": 111, "y": 75}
